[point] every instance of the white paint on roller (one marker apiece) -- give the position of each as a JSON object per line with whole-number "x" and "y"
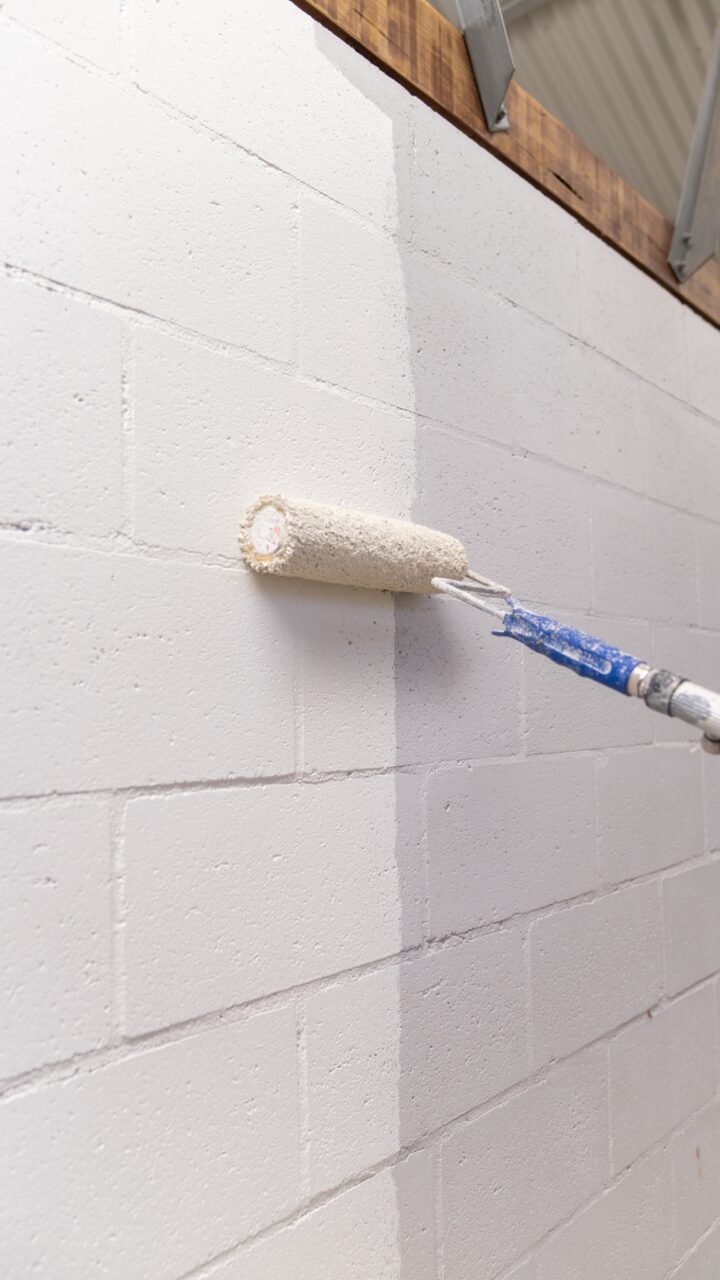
{"x": 268, "y": 531}
{"x": 350, "y": 548}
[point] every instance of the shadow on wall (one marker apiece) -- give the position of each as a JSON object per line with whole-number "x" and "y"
{"x": 451, "y": 1024}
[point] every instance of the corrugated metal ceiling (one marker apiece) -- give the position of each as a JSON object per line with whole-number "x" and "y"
{"x": 624, "y": 75}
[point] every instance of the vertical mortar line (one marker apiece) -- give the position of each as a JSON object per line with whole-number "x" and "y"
{"x": 611, "y": 1152}
{"x": 127, "y": 428}
{"x": 118, "y": 809}
{"x": 522, "y": 703}
{"x": 425, "y": 776}
{"x": 529, "y": 1027}
{"x": 296, "y": 242}
{"x": 663, "y": 946}
{"x": 125, "y": 23}
{"x": 303, "y": 1081}
{"x": 597, "y": 758}
{"x": 298, "y": 702}
{"x": 673, "y": 1200}
{"x": 437, "y": 1211}
{"x": 705, "y": 798}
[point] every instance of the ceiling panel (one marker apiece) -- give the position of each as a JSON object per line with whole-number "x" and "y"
{"x": 625, "y": 75}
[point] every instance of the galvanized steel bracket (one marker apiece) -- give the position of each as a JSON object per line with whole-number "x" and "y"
{"x": 483, "y": 26}
{"x": 697, "y": 229}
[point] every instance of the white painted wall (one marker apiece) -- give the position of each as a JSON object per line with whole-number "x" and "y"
{"x": 339, "y": 939}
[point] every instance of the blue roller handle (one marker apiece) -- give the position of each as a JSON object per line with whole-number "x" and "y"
{"x": 586, "y": 655}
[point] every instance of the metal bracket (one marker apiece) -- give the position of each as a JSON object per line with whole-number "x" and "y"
{"x": 483, "y": 26}
{"x": 697, "y": 230}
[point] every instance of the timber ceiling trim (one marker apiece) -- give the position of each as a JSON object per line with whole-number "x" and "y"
{"x": 418, "y": 46}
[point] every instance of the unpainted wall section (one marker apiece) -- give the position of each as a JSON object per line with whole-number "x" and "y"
{"x": 339, "y": 939}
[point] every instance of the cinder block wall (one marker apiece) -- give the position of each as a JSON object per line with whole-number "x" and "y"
{"x": 339, "y": 939}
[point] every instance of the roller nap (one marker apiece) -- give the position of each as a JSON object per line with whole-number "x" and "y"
{"x": 331, "y": 544}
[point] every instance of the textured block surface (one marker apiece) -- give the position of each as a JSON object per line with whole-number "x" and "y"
{"x": 502, "y": 1160}
{"x": 594, "y": 966}
{"x": 60, "y": 419}
{"x": 484, "y": 864}
{"x": 650, "y": 811}
{"x": 55, "y": 932}
{"x": 280, "y": 886}
{"x": 633, "y": 1220}
{"x": 691, "y": 953}
{"x": 172, "y": 223}
{"x": 115, "y": 1179}
{"x": 415, "y": 1047}
{"x": 137, "y": 691}
{"x": 696, "y": 1170}
{"x": 330, "y": 922}
{"x": 662, "y": 1069}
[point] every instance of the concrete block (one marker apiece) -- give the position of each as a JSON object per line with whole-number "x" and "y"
{"x": 629, "y": 316}
{"x": 345, "y": 641}
{"x": 137, "y": 674}
{"x": 704, "y": 1261}
{"x": 477, "y": 215}
{"x": 703, "y": 374}
{"x": 574, "y": 405}
{"x": 353, "y": 307}
{"x": 696, "y": 1169}
{"x": 594, "y": 966}
{"x": 60, "y": 428}
{"x": 233, "y": 894}
{"x": 650, "y": 811}
{"x": 396, "y": 1054}
{"x": 506, "y": 510}
{"x": 513, "y": 1174}
{"x": 457, "y": 689}
{"x": 625, "y": 1233}
{"x": 643, "y": 559}
{"x": 467, "y": 351}
{"x": 683, "y": 455}
{"x": 171, "y": 221}
{"x": 691, "y": 901}
{"x": 347, "y": 137}
{"x": 382, "y": 1228}
{"x": 81, "y": 26}
{"x": 202, "y": 1133}
{"x": 508, "y": 838}
{"x": 55, "y": 929}
{"x": 212, "y": 431}
{"x": 662, "y": 1069}
{"x": 707, "y": 541}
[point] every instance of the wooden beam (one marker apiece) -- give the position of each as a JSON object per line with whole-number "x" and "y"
{"x": 418, "y": 46}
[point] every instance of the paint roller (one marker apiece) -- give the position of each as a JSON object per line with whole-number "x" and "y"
{"x": 323, "y": 543}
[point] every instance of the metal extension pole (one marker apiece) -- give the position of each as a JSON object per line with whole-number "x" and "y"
{"x": 592, "y": 657}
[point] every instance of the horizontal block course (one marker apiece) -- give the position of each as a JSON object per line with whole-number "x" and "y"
{"x": 485, "y": 862}
{"x": 662, "y": 1069}
{"x": 234, "y": 894}
{"x": 396, "y": 1054}
{"x": 170, "y": 221}
{"x": 593, "y": 967}
{"x": 528, "y": 1163}
{"x": 119, "y": 671}
{"x": 203, "y": 1132}
{"x": 55, "y": 933}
